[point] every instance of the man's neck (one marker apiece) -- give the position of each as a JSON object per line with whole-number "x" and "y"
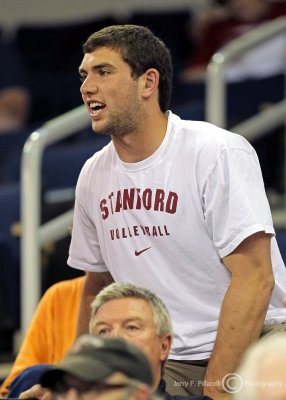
{"x": 138, "y": 146}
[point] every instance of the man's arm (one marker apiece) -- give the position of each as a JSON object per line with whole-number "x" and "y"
{"x": 243, "y": 310}
{"x": 94, "y": 282}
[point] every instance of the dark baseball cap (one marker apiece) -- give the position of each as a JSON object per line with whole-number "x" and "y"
{"x": 94, "y": 359}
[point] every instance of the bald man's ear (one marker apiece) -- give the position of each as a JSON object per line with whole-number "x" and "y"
{"x": 150, "y": 82}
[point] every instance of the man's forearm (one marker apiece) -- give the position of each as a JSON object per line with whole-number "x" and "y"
{"x": 241, "y": 321}
{"x": 84, "y": 315}
{"x": 94, "y": 282}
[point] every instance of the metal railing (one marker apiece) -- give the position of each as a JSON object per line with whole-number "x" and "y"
{"x": 216, "y": 104}
{"x": 34, "y": 235}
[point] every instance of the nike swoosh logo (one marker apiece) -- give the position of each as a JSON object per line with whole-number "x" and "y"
{"x": 137, "y": 253}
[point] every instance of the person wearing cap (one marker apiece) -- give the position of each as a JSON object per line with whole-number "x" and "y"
{"x": 105, "y": 368}
{"x": 138, "y": 316}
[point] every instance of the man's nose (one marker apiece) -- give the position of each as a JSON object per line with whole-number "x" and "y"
{"x": 117, "y": 332}
{"x": 88, "y": 86}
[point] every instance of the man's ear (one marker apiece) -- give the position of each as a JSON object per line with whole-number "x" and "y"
{"x": 166, "y": 341}
{"x": 150, "y": 82}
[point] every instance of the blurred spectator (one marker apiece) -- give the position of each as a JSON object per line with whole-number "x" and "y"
{"x": 255, "y": 79}
{"x": 100, "y": 368}
{"x": 224, "y": 23}
{"x": 50, "y": 335}
{"x": 262, "y": 374}
{"x": 14, "y": 93}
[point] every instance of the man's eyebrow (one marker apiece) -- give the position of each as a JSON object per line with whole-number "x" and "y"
{"x": 96, "y": 67}
{"x": 100, "y": 323}
{"x": 131, "y": 319}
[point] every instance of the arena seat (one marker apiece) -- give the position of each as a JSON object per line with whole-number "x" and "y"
{"x": 9, "y": 257}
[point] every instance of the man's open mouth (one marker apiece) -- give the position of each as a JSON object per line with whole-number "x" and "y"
{"x": 95, "y": 105}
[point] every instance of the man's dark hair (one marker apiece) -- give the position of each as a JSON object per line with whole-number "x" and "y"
{"x": 141, "y": 50}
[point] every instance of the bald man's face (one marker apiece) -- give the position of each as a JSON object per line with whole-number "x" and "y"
{"x": 271, "y": 378}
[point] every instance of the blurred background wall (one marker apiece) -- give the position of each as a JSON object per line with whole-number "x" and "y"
{"x": 21, "y": 12}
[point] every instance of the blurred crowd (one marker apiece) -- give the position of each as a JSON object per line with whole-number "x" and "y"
{"x": 226, "y": 21}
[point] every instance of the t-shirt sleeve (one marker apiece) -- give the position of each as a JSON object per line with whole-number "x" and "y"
{"x": 84, "y": 252}
{"x": 234, "y": 199}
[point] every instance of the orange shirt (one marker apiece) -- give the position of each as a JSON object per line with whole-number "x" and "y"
{"x": 52, "y": 330}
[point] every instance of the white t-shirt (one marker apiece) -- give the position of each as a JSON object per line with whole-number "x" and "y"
{"x": 164, "y": 223}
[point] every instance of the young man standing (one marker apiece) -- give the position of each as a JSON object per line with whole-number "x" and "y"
{"x": 176, "y": 206}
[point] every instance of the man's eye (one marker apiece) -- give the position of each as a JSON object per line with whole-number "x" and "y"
{"x": 103, "y": 72}
{"x": 103, "y": 331}
{"x": 82, "y": 78}
{"x": 132, "y": 328}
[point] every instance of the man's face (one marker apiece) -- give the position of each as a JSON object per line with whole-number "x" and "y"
{"x": 117, "y": 386}
{"x": 271, "y": 378}
{"x": 132, "y": 319}
{"x": 110, "y": 93}
{"x": 123, "y": 393}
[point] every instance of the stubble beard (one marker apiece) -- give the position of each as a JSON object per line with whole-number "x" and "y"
{"x": 126, "y": 122}
{"x": 121, "y": 124}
